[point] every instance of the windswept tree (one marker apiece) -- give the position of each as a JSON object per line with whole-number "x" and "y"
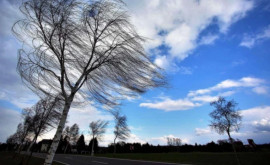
{"x": 74, "y": 133}
{"x": 225, "y": 119}
{"x": 45, "y": 116}
{"x": 97, "y": 129}
{"x": 121, "y": 130}
{"x": 82, "y": 48}
{"x": 24, "y": 129}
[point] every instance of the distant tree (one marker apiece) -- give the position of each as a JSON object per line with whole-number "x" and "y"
{"x": 86, "y": 48}
{"x": 173, "y": 141}
{"x": 45, "y": 116}
{"x": 66, "y": 135}
{"x": 225, "y": 119}
{"x": 24, "y": 129}
{"x": 81, "y": 144}
{"x": 121, "y": 130}
{"x": 97, "y": 129}
{"x": 13, "y": 141}
{"x": 74, "y": 133}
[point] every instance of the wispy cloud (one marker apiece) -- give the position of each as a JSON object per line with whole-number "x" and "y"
{"x": 171, "y": 105}
{"x": 226, "y": 84}
{"x": 251, "y": 40}
{"x": 208, "y": 40}
{"x": 202, "y": 131}
{"x": 201, "y": 96}
{"x": 261, "y": 90}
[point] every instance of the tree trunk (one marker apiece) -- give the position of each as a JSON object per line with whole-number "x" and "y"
{"x": 114, "y": 146}
{"x": 234, "y": 150}
{"x": 92, "y": 152}
{"x": 57, "y": 136}
{"x": 66, "y": 147}
{"x": 32, "y": 143}
{"x": 29, "y": 151}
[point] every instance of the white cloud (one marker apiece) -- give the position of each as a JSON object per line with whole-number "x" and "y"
{"x": 250, "y": 40}
{"x": 260, "y": 90}
{"x": 202, "y": 131}
{"x": 165, "y": 63}
{"x": 205, "y": 98}
{"x": 201, "y": 96}
{"x": 171, "y": 105}
{"x": 180, "y": 25}
{"x": 243, "y": 82}
{"x": 257, "y": 118}
{"x": 208, "y": 40}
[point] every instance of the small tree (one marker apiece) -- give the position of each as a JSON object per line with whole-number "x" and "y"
{"x": 225, "y": 118}
{"x": 24, "y": 129}
{"x": 74, "y": 133}
{"x": 66, "y": 135}
{"x": 173, "y": 141}
{"x": 45, "y": 115}
{"x": 97, "y": 129}
{"x": 121, "y": 130}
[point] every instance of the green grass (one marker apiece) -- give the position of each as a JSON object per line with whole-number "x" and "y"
{"x": 6, "y": 158}
{"x": 197, "y": 158}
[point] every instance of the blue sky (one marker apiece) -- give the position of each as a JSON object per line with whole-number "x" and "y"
{"x": 207, "y": 48}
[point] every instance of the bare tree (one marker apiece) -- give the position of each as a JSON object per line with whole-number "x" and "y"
{"x": 225, "y": 118}
{"x": 23, "y": 130}
{"x": 88, "y": 49}
{"x": 121, "y": 130}
{"x": 66, "y": 135}
{"x": 173, "y": 141}
{"x": 45, "y": 116}
{"x": 97, "y": 129}
{"x": 74, "y": 133}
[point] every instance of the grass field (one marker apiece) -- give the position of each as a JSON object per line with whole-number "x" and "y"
{"x": 197, "y": 158}
{"x": 6, "y": 158}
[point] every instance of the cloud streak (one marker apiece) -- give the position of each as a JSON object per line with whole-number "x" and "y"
{"x": 199, "y": 97}
{"x": 250, "y": 40}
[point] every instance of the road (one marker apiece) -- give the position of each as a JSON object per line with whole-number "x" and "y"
{"x": 88, "y": 160}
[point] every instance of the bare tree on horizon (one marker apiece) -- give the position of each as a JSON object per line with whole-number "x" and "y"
{"x": 225, "y": 119}
{"x": 83, "y": 49}
{"x": 23, "y": 130}
{"x": 121, "y": 130}
{"x": 97, "y": 129}
{"x": 74, "y": 133}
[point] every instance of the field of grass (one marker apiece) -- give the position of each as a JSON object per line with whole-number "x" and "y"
{"x": 197, "y": 158}
{"x": 6, "y": 158}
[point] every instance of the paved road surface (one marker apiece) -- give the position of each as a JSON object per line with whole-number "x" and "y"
{"x": 88, "y": 160}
